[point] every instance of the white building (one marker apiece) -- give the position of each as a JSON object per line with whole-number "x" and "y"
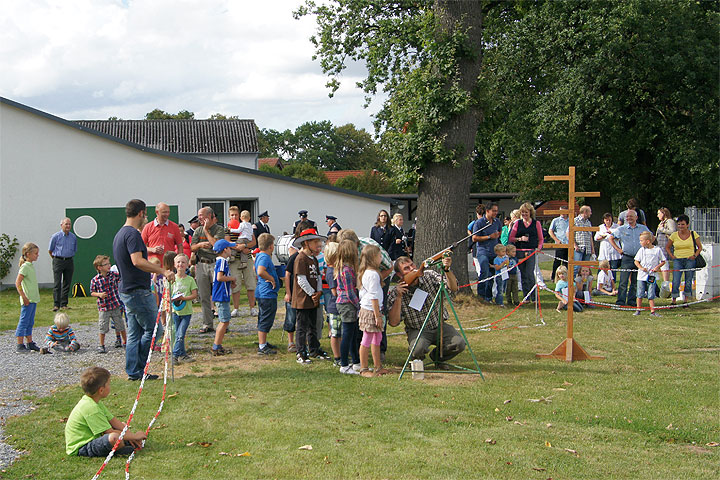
{"x": 51, "y": 168}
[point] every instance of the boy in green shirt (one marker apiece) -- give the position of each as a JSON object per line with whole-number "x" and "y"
{"x": 91, "y": 430}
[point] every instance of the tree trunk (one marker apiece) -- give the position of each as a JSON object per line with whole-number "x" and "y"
{"x": 444, "y": 190}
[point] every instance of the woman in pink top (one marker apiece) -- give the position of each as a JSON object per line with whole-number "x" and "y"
{"x": 527, "y": 236}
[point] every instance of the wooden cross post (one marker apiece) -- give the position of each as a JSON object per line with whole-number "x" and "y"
{"x": 569, "y": 350}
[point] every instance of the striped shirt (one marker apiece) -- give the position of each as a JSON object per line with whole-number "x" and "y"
{"x": 385, "y": 263}
{"x": 109, "y": 285}
{"x": 60, "y": 336}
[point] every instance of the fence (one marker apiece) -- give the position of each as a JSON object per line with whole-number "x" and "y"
{"x": 705, "y": 222}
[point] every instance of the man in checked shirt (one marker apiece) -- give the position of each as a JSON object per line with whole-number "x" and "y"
{"x": 584, "y": 245}
{"x": 104, "y": 287}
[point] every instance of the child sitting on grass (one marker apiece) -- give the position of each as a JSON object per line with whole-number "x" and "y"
{"x": 649, "y": 260}
{"x": 606, "y": 282}
{"x": 221, "y": 288}
{"x": 104, "y": 287}
{"x": 91, "y": 430}
{"x": 60, "y": 336}
{"x": 583, "y": 283}
{"x": 562, "y": 296}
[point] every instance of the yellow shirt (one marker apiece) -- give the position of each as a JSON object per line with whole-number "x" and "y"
{"x": 683, "y": 248}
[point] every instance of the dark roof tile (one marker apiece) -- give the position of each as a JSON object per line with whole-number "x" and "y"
{"x": 183, "y": 136}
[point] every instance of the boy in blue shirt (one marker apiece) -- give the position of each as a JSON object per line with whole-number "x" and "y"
{"x": 266, "y": 292}
{"x": 221, "y": 291}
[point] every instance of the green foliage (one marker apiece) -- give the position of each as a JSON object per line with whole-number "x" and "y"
{"x": 220, "y": 116}
{"x": 303, "y": 171}
{"x": 8, "y": 250}
{"x": 323, "y": 145}
{"x": 626, "y": 90}
{"x": 158, "y": 114}
{"x": 368, "y": 182}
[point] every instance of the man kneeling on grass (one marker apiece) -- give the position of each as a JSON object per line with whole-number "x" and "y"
{"x": 91, "y": 430}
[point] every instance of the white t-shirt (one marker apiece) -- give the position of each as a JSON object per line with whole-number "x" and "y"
{"x": 244, "y": 230}
{"x": 649, "y": 258}
{"x": 371, "y": 289}
{"x": 605, "y": 280}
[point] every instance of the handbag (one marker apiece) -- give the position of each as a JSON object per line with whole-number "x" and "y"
{"x": 699, "y": 260}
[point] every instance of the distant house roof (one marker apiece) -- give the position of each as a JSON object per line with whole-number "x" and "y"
{"x": 183, "y": 136}
{"x": 273, "y": 162}
{"x": 552, "y": 205}
{"x": 335, "y": 175}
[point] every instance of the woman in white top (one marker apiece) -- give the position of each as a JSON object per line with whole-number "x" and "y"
{"x": 607, "y": 252}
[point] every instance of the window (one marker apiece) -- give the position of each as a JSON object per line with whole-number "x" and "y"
{"x": 220, "y": 207}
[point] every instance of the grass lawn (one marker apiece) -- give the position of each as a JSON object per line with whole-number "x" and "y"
{"x": 647, "y": 411}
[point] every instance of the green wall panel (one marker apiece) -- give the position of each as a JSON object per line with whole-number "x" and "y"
{"x": 108, "y": 221}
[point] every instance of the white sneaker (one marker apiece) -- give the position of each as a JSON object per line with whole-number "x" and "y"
{"x": 235, "y": 313}
{"x": 349, "y": 370}
{"x": 357, "y": 367}
{"x": 253, "y": 312}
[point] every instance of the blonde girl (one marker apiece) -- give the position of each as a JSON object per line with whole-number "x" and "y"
{"x": 330, "y": 253}
{"x": 348, "y": 304}
{"x": 371, "y": 320}
{"x": 27, "y": 286}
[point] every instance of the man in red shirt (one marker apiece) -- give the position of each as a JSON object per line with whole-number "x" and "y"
{"x": 161, "y": 235}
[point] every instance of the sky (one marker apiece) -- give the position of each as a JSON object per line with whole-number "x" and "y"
{"x": 93, "y": 59}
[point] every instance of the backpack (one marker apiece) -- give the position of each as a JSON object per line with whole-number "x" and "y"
{"x": 78, "y": 290}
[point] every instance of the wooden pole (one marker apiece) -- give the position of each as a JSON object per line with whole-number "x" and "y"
{"x": 569, "y": 350}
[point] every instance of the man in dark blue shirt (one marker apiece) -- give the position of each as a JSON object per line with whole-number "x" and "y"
{"x": 486, "y": 232}
{"x": 130, "y": 256}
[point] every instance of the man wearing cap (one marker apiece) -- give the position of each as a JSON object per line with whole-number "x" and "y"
{"x": 332, "y": 223}
{"x": 194, "y": 223}
{"x": 303, "y": 216}
{"x": 262, "y": 225}
{"x": 162, "y": 235}
{"x": 203, "y": 240}
{"x": 559, "y": 232}
{"x": 63, "y": 247}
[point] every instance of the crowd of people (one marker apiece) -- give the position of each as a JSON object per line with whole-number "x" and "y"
{"x": 630, "y": 257}
{"x": 338, "y": 279}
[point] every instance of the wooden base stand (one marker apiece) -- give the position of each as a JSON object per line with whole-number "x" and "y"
{"x": 570, "y": 351}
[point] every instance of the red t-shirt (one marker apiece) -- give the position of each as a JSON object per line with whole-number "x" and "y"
{"x": 167, "y": 235}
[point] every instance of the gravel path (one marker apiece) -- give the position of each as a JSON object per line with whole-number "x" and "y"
{"x": 48, "y": 372}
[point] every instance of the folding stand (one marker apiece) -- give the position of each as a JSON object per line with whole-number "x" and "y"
{"x": 440, "y": 297}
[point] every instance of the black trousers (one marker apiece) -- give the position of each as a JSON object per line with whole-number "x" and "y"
{"x": 306, "y": 331}
{"x": 559, "y": 253}
{"x": 63, "y": 269}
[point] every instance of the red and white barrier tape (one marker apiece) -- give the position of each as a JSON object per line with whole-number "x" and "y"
{"x": 137, "y": 399}
{"x": 614, "y": 306}
{"x": 499, "y": 273}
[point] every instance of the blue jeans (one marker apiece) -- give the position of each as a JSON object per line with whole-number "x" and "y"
{"x": 627, "y": 294}
{"x": 27, "y": 320}
{"x": 500, "y": 284}
{"x": 348, "y": 343}
{"x": 484, "y": 289}
{"x": 182, "y": 322}
{"x": 290, "y": 320}
{"x": 579, "y": 256}
{"x": 679, "y": 264}
{"x": 267, "y": 307}
{"x": 141, "y": 312}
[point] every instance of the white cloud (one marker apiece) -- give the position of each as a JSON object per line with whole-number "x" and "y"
{"x": 95, "y": 59}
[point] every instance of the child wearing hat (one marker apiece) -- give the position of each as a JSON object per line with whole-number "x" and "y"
{"x": 307, "y": 290}
{"x": 221, "y": 288}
